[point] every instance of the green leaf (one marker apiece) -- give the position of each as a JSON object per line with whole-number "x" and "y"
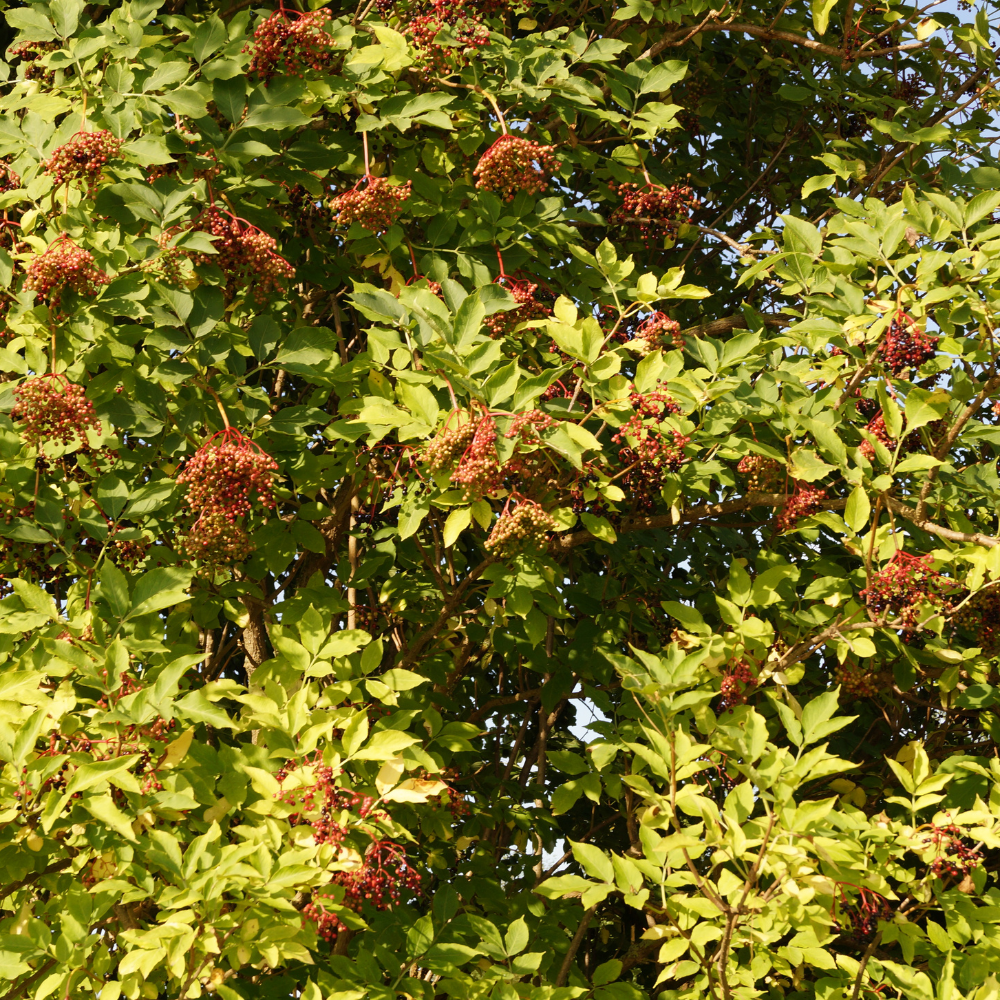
{"x": 594, "y": 861}
{"x": 924, "y": 407}
{"x": 160, "y": 588}
{"x": 858, "y": 509}
{"x": 114, "y": 589}
{"x": 385, "y": 745}
{"x": 821, "y": 10}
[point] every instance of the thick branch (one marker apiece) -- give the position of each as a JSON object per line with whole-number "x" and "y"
{"x": 574, "y": 947}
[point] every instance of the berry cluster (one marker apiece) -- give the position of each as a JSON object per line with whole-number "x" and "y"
{"x": 478, "y": 468}
{"x": 656, "y": 405}
{"x": 650, "y": 446}
{"x": 224, "y": 477}
{"x": 528, "y": 425}
{"x": 64, "y": 265}
{"x": 322, "y": 803}
{"x": 379, "y": 882}
{"x": 737, "y": 682}
{"x": 372, "y": 203}
{"x": 529, "y": 307}
{"x": 878, "y": 430}
{"x": 804, "y": 502}
{"x": 982, "y": 616}
{"x": 856, "y": 683}
{"x": 244, "y": 253}
{"x": 658, "y": 331}
{"x": 653, "y": 210}
{"x": 443, "y": 452}
{"x": 906, "y": 345}
{"x": 51, "y": 408}
{"x": 906, "y": 583}
{"x": 9, "y": 181}
{"x": 83, "y": 158}
{"x": 288, "y": 43}
{"x": 30, "y": 53}
{"x": 955, "y": 858}
{"x": 513, "y": 164}
{"x": 464, "y": 35}
{"x": 763, "y": 475}
{"x": 522, "y": 528}
{"x": 864, "y": 917}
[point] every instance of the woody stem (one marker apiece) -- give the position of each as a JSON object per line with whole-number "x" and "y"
{"x": 364, "y": 138}
{"x": 496, "y": 108}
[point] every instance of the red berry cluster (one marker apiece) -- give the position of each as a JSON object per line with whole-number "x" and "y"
{"x": 244, "y": 253}
{"x": 656, "y": 405}
{"x": 372, "y": 203}
{"x": 30, "y": 53}
{"x": 906, "y": 583}
{"x": 288, "y": 43}
{"x": 467, "y": 35}
{"x": 955, "y": 858}
{"x": 522, "y": 528}
{"x": 804, "y": 502}
{"x": 321, "y": 804}
{"x": 51, "y": 408}
{"x": 737, "y": 682}
{"x": 878, "y": 430}
{"x": 653, "y": 210}
{"x": 9, "y": 181}
{"x": 906, "y": 345}
{"x": 650, "y": 446}
{"x": 64, "y": 265}
{"x": 658, "y": 331}
{"x": 528, "y": 309}
{"x": 224, "y": 477}
{"x": 982, "y": 616}
{"x": 380, "y": 882}
{"x": 527, "y": 425}
{"x": 83, "y": 158}
{"x": 762, "y": 474}
{"x": 514, "y": 164}
{"x": 856, "y": 683}
{"x": 478, "y": 468}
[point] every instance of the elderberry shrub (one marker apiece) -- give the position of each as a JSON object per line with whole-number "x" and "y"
{"x": 288, "y": 43}
{"x": 64, "y": 265}
{"x": 906, "y": 345}
{"x": 513, "y": 164}
{"x": 83, "y": 158}
{"x": 51, "y": 408}
{"x": 244, "y": 254}
{"x": 652, "y": 210}
{"x": 737, "y": 682}
{"x": 372, "y": 203}
{"x": 804, "y": 502}
{"x": 529, "y": 308}
{"x": 519, "y": 529}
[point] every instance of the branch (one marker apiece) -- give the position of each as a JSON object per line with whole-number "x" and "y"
{"x": 18, "y": 991}
{"x": 931, "y": 528}
{"x": 728, "y": 323}
{"x": 574, "y": 946}
{"x": 32, "y": 877}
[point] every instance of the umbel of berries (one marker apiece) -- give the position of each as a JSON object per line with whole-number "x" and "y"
{"x": 529, "y": 307}
{"x": 83, "y": 158}
{"x": 465, "y": 35}
{"x": 656, "y": 332}
{"x": 653, "y": 210}
{"x": 288, "y": 43}
{"x": 372, "y": 203}
{"x": 64, "y": 265}
{"x": 513, "y": 164}
{"x": 906, "y": 345}
{"x": 804, "y": 502}
{"x": 245, "y": 254}
{"x": 51, "y": 409}
{"x": 225, "y": 477}
{"x": 523, "y": 528}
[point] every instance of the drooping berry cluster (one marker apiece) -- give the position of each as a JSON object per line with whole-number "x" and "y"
{"x": 478, "y": 468}
{"x": 464, "y": 34}
{"x": 245, "y": 254}
{"x": 737, "y": 682}
{"x": 906, "y": 345}
{"x": 522, "y": 528}
{"x": 83, "y": 158}
{"x": 372, "y": 203}
{"x": 64, "y": 265}
{"x": 513, "y": 164}
{"x": 804, "y": 502}
{"x": 225, "y": 477}
{"x": 30, "y": 53}
{"x": 905, "y": 585}
{"x": 876, "y": 427}
{"x": 528, "y": 425}
{"x": 856, "y": 683}
{"x": 322, "y": 804}
{"x": 652, "y": 210}
{"x": 954, "y": 857}
{"x": 863, "y": 917}
{"x": 443, "y": 451}
{"x": 288, "y": 43}
{"x": 658, "y": 331}
{"x": 50, "y": 408}
{"x": 981, "y": 615}
{"x": 529, "y": 308}
{"x": 763, "y": 474}
{"x": 9, "y": 181}
{"x": 380, "y": 883}
{"x": 650, "y": 445}
{"x": 657, "y": 405}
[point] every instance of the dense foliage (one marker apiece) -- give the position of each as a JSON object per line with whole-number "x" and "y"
{"x": 499, "y": 500}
